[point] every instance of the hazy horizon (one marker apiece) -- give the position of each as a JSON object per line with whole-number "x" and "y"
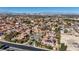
{"x": 50, "y": 10}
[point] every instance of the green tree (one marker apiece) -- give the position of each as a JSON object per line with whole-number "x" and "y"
{"x": 65, "y": 31}
{"x": 63, "y": 47}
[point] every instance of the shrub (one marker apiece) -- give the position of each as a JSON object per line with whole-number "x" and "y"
{"x": 63, "y": 47}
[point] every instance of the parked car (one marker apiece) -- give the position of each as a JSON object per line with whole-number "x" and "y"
{"x": 5, "y": 47}
{"x": 1, "y": 46}
{"x": 9, "y": 49}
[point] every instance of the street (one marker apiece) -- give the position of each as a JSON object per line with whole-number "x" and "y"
{"x": 22, "y": 47}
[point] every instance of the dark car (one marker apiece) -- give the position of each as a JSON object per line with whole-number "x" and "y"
{"x": 1, "y": 46}
{"x": 5, "y": 46}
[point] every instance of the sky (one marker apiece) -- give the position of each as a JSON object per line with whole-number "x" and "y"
{"x": 39, "y": 10}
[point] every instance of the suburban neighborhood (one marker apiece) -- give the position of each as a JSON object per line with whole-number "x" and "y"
{"x": 48, "y": 32}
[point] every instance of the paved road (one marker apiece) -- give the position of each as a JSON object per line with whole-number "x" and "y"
{"x": 15, "y": 49}
{"x": 23, "y": 47}
{"x": 12, "y": 49}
